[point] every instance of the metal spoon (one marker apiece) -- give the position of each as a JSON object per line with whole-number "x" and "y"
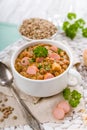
{"x": 6, "y": 79}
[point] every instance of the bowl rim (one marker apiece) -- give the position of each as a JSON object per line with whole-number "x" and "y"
{"x": 18, "y": 51}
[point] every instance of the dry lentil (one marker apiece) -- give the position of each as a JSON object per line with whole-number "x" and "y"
{"x": 36, "y": 28}
{"x": 3, "y": 105}
{"x": 2, "y": 119}
{"x": 6, "y": 99}
{"x": 0, "y": 101}
{"x": 15, "y": 117}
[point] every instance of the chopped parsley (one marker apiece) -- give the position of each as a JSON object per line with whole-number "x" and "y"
{"x": 59, "y": 50}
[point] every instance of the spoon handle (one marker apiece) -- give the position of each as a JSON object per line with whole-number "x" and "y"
{"x": 31, "y": 120}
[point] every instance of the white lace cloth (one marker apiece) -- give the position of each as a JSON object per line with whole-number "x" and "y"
{"x": 75, "y": 121}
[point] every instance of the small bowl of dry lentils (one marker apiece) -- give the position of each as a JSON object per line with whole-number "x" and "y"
{"x": 37, "y": 28}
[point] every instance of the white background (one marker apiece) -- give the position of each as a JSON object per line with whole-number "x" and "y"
{"x": 14, "y": 11}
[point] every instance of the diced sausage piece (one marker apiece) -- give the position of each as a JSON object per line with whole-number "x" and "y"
{"x": 25, "y": 61}
{"x": 58, "y": 113}
{"x": 39, "y": 59}
{"x": 54, "y": 48}
{"x": 65, "y": 106}
{"x": 56, "y": 67}
{"x": 48, "y": 76}
{"x": 85, "y": 56}
{"x": 54, "y": 56}
{"x": 32, "y": 70}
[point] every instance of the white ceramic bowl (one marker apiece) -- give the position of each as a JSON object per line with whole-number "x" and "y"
{"x": 42, "y": 88}
{"x": 29, "y": 39}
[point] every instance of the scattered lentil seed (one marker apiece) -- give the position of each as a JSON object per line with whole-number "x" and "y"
{"x": 5, "y": 116}
{"x": 3, "y": 105}
{"x": 2, "y": 119}
{"x": 0, "y": 101}
{"x": 12, "y": 109}
{"x": 14, "y": 117}
{"x": 6, "y": 99}
{"x": 2, "y": 109}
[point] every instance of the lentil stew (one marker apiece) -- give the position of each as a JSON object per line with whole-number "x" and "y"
{"x": 42, "y": 61}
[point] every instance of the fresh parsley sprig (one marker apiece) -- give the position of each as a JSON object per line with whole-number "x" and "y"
{"x": 73, "y": 97}
{"x": 71, "y": 16}
{"x": 72, "y": 26}
{"x": 40, "y": 51}
{"x": 84, "y": 32}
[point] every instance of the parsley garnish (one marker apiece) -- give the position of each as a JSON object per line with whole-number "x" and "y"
{"x": 47, "y": 67}
{"x": 59, "y": 50}
{"x": 40, "y": 51}
{"x": 32, "y": 60}
{"x": 39, "y": 66}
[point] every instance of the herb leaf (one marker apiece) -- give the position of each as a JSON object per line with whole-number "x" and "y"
{"x": 72, "y": 97}
{"x": 71, "y": 16}
{"x": 40, "y": 51}
{"x": 66, "y": 24}
{"x": 75, "y": 94}
{"x": 47, "y": 67}
{"x": 71, "y": 31}
{"x": 66, "y": 93}
{"x": 84, "y": 32}
{"x": 59, "y": 50}
{"x": 32, "y": 60}
{"x": 39, "y": 66}
{"x": 71, "y": 27}
{"x": 74, "y": 102}
{"x": 80, "y": 23}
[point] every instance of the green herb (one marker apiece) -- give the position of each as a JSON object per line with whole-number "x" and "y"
{"x": 75, "y": 94}
{"x": 66, "y": 93}
{"x": 84, "y": 32}
{"x": 71, "y": 31}
{"x": 39, "y": 66}
{"x": 47, "y": 67}
{"x": 40, "y": 51}
{"x": 71, "y": 16}
{"x": 74, "y": 102}
{"x": 66, "y": 24}
{"x": 71, "y": 27}
{"x": 73, "y": 97}
{"x": 80, "y": 23}
{"x": 59, "y": 50}
{"x": 32, "y": 60}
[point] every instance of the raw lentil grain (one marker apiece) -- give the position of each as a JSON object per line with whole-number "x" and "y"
{"x": 36, "y": 28}
{"x": 14, "y": 117}
{"x": 6, "y": 99}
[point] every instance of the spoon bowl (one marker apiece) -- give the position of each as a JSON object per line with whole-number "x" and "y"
{"x": 6, "y": 77}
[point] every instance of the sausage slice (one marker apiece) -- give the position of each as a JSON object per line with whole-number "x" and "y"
{"x": 58, "y": 113}
{"x": 32, "y": 69}
{"x": 64, "y": 105}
